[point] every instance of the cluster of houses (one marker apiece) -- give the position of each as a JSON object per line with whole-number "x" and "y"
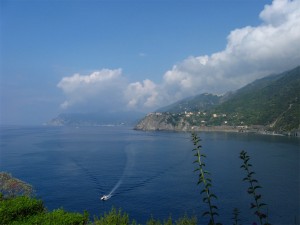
{"x": 204, "y": 116}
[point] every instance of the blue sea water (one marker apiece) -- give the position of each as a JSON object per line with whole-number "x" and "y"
{"x": 151, "y": 172}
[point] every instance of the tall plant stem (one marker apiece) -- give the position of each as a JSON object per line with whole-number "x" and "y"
{"x": 206, "y": 185}
{"x": 206, "y": 181}
{"x": 252, "y": 189}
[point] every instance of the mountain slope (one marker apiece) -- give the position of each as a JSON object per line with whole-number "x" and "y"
{"x": 95, "y": 119}
{"x": 196, "y": 103}
{"x": 267, "y": 101}
{"x": 272, "y": 102}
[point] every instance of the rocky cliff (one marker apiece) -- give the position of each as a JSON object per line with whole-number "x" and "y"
{"x": 162, "y": 121}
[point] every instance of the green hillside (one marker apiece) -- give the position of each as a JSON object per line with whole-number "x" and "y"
{"x": 196, "y": 103}
{"x": 273, "y": 101}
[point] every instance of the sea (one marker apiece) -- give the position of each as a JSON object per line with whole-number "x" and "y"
{"x": 151, "y": 174}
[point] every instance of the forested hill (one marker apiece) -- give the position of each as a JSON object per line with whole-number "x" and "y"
{"x": 272, "y": 102}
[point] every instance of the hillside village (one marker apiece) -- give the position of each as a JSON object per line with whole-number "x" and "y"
{"x": 197, "y": 121}
{"x": 270, "y": 105}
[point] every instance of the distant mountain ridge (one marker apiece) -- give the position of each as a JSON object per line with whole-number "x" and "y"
{"x": 95, "y": 119}
{"x": 270, "y": 104}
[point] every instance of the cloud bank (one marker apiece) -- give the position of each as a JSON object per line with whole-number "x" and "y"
{"x": 98, "y": 90}
{"x": 250, "y": 53}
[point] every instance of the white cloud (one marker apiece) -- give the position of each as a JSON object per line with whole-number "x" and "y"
{"x": 279, "y": 12}
{"x": 97, "y": 90}
{"x": 250, "y": 53}
{"x": 142, "y": 95}
{"x": 98, "y": 78}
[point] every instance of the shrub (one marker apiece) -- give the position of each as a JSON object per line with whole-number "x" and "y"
{"x": 187, "y": 221}
{"x": 18, "y": 208}
{"x": 26, "y": 210}
{"x": 58, "y": 216}
{"x": 181, "y": 221}
{"x": 153, "y": 221}
{"x": 113, "y": 217}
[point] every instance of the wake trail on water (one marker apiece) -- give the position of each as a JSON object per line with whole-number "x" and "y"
{"x": 130, "y": 156}
{"x": 130, "y": 161}
{"x": 155, "y": 176}
{"x": 92, "y": 177}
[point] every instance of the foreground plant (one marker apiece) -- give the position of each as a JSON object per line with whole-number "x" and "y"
{"x": 181, "y": 221}
{"x": 26, "y": 211}
{"x": 235, "y": 217}
{"x": 258, "y": 205}
{"x": 205, "y": 180}
{"x": 113, "y": 217}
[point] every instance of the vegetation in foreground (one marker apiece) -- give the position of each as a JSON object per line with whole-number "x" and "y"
{"x": 208, "y": 196}
{"x": 19, "y": 206}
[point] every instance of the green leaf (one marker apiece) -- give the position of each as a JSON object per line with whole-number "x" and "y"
{"x": 203, "y": 191}
{"x": 213, "y": 196}
{"x": 251, "y": 173}
{"x": 262, "y": 204}
{"x": 206, "y": 172}
{"x": 252, "y": 206}
{"x": 256, "y": 187}
{"x": 257, "y": 197}
{"x": 253, "y": 181}
{"x": 208, "y": 185}
{"x": 262, "y": 215}
{"x": 200, "y": 181}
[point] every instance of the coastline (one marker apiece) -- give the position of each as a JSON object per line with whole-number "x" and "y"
{"x": 258, "y": 129}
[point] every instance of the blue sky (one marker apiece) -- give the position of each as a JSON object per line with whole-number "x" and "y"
{"x": 78, "y": 56}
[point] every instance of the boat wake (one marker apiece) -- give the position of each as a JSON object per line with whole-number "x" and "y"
{"x": 129, "y": 164}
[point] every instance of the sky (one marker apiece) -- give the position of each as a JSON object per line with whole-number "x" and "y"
{"x": 62, "y": 56}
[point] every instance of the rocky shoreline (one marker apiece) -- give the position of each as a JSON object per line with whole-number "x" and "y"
{"x": 154, "y": 122}
{"x": 229, "y": 129}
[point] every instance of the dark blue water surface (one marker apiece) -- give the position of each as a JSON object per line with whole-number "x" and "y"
{"x": 73, "y": 167}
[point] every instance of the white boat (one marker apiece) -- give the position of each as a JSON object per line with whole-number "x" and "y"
{"x": 105, "y": 197}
